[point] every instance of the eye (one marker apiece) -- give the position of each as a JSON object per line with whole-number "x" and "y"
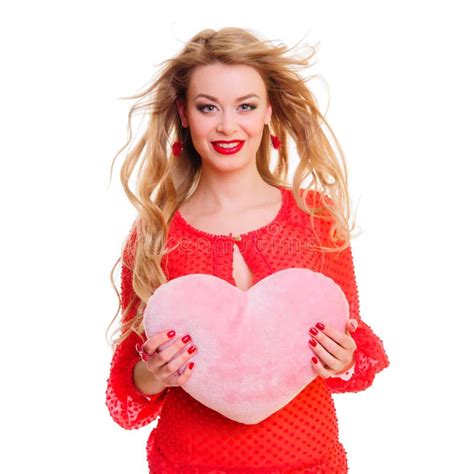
{"x": 252, "y": 107}
{"x": 204, "y": 108}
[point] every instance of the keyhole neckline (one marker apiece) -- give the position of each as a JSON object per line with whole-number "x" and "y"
{"x": 269, "y": 225}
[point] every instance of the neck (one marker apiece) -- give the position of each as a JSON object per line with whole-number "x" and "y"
{"x": 231, "y": 192}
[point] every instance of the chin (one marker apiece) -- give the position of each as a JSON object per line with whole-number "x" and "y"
{"x": 216, "y": 159}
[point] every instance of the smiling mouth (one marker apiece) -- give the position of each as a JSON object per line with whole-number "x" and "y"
{"x": 229, "y": 147}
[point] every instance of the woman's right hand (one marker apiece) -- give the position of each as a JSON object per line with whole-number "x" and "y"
{"x": 162, "y": 364}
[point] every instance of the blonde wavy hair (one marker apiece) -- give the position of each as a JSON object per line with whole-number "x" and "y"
{"x": 164, "y": 183}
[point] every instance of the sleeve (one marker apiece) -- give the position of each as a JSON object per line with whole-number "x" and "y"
{"x": 369, "y": 356}
{"x": 129, "y": 407}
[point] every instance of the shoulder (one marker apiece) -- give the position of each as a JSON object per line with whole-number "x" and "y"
{"x": 309, "y": 193}
{"x": 311, "y": 214}
{"x": 310, "y": 198}
{"x": 314, "y": 197}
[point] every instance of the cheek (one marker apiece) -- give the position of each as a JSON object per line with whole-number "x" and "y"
{"x": 200, "y": 131}
{"x": 252, "y": 126}
{"x": 201, "y": 126}
{"x": 255, "y": 130}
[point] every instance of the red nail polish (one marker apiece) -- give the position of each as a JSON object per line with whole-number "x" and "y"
{"x": 186, "y": 338}
{"x": 191, "y": 349}
{"x": 320, "y": 326}
{"x": 313, "y": 331}
{"x": 191, "y": 365}
{"x": 312, "y": 342}
{"x": 314, "y": 360}
{"x": 171, "y": 334}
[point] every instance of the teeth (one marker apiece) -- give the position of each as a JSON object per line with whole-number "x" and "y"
{"x": 228, "y": 145}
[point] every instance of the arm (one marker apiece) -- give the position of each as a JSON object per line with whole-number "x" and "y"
{"x": 369, "y": 357}
{"x": 129, "y": 406}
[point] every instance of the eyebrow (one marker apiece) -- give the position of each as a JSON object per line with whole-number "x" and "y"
{"x": 210, "y": 97}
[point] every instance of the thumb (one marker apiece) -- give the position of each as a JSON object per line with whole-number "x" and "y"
{"x": 352, "y": 324}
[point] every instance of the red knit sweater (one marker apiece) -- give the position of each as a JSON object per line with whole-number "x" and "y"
{"x": 189, "y": 437}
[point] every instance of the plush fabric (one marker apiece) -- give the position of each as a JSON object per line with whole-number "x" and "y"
{"x": 253, "y": 355}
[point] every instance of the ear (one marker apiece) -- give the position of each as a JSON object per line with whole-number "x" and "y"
{"x": 268, "y": 114}
{"x": 181, "y": 106}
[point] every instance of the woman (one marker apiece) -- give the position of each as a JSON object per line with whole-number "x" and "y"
{"x": 218, "y": 99}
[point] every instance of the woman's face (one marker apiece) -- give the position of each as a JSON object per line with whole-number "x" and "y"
{"x": 217, "y": 109}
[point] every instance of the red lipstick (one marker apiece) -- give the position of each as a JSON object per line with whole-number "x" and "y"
{"x": 228, "y": 150}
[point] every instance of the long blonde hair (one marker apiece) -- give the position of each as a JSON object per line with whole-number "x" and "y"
{"x": 163, "y": 183}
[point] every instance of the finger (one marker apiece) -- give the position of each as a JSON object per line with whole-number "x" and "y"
{"x": 332, "y": 338}
{"x": 186, "y": 374}
{"x": 327, "y": 342}
{"x": 172, "y": 368}
{"x": 154, "y": 342}
{"x": 319, "y": 367}
{"x": 324, "y": 356}
{"x": 164, "y": 356}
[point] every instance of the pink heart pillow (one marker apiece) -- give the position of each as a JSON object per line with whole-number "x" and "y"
{"x": 253, "y": 355}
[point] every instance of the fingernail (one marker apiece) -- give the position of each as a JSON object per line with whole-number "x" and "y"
{"x": 191, "y": 365}
{"x": 186, "y": 338}
{"x": 320, "y": 326}
{"x": 313, "y": 331}
{"x": 191, "y": 349}
{"x": 171, "y": 334}
{"x": 314, "y": 360}
{"x": 312, "y": 342}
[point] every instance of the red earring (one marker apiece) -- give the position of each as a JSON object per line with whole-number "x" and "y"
{"x": 177, "y": 147}
{"x": 276, "y": 142}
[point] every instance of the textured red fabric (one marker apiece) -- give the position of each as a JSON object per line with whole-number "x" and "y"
{"x": 303, "y": 436}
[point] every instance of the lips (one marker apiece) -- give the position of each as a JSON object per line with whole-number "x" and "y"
{"x": 228, "y": 150}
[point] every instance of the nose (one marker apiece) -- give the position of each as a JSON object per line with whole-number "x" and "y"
{"x": 227, "y": 124}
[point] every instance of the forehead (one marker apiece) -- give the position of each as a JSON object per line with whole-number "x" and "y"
{"x": 225, "y": 81}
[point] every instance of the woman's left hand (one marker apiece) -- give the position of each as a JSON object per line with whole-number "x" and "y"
{"x": 334, "y": 350}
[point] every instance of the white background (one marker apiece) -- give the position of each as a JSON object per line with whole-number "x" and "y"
{"x": 400, "y": 81}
